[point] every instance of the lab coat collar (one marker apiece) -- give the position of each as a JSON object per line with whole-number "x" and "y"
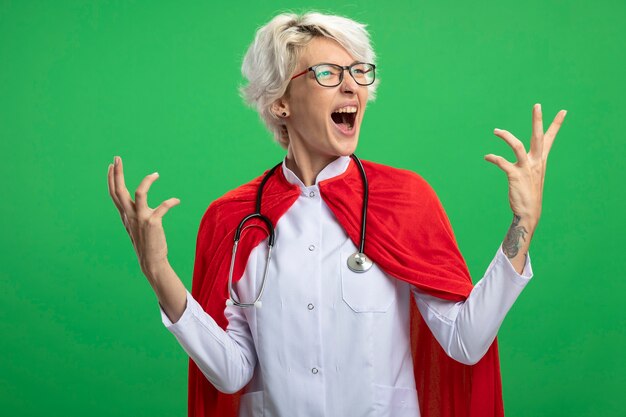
{"x": 335, "y": 168}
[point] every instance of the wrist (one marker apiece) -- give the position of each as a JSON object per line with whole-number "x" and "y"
{"x": 517, "y": 239}
{"x": 527, "y": 221}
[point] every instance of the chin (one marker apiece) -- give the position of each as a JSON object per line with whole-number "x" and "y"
{"x": 349, "y": 150}
{"x": 345, "y": 145}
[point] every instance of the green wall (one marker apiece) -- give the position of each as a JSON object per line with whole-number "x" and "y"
{"x": 156, "y": 82}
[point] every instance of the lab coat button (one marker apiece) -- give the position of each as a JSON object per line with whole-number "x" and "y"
{"x": 312, "y": 248}
{"x": 312, "y": 194}
{"x": 314, "y": 370}
{"x": 310, "y": 306}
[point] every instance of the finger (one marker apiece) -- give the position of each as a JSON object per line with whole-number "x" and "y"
{"x": 536, "y": 141}
{"x": 552, "y": 131}
{"x": 141, "y": 194}
{"x": 165, "y": 206}
{"x": 123, "y": 196}
{"x": 500, "y": 162}
{"x": 111, "y": 187}
{"x": 515, "y": 144}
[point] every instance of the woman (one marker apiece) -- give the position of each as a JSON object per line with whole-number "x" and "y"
{"x": 396, "y": 328}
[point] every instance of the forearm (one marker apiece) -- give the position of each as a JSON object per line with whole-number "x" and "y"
{"x": 226, "y": 358}
{"x": 517, "y": 241}
{"x": 169, "y": 289}
{"x": 466, "y": 329}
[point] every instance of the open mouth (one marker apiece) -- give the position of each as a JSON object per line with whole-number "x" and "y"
{"x": 344, "y": 118}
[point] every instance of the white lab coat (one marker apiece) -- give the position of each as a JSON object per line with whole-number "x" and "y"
{"x": 328, "y": 341}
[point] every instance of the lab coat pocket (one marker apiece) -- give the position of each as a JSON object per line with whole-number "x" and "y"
{"x": 372, "y": 291}
{"x": 251, "y": 404}
{"x": 395, "y": 401}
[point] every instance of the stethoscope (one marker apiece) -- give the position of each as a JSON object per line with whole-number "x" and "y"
{"x": 357, "y": 262}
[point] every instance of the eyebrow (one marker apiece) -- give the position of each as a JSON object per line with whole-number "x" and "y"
{"x": 328, "y": 62}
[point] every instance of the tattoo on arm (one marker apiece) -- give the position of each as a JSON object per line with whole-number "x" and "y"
{"x": 511, "y": 243}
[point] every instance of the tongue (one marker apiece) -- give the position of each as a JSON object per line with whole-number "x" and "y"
{"x": 341, "y": 119}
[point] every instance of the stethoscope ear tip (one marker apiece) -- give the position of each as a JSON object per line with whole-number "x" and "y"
{"x": 258, "y": 304}
{"x": 229, "y": 302}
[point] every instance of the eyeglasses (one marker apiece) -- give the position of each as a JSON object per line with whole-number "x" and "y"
{"x": 331, "y": 75}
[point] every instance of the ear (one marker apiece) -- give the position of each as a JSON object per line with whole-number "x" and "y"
{"x": 280, "y": 108}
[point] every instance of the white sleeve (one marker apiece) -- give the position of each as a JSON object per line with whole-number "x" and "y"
{"x": 466, "y": 329}
{"x": 226, "y": 358}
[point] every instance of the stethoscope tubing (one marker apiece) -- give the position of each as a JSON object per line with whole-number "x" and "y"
{"x": 365, "y": 201}
{"x": 358, "y": 262}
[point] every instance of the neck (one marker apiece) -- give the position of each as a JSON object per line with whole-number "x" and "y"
{"x": 306, "y": 165}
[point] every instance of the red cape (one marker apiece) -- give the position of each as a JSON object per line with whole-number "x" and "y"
{"x": 408, "y": 235}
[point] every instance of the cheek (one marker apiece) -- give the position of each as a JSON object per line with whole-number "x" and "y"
{"x": 363, "y": 97}
{"x": 312, "y": 107}
{"x": 316, "y": 112}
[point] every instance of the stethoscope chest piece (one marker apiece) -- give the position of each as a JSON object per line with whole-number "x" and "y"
{"x": 359, "y": 262}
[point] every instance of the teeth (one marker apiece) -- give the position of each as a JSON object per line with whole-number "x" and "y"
{"x": 347, "y": 109}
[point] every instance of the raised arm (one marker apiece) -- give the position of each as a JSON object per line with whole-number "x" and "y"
{"x": 145, "y": 229}
{"x": 526, "y": 178}
{"x": 226, "y": 358}
{"x": 466, "y": 329}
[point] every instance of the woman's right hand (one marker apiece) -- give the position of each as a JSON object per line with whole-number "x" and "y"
{"x": 143, "y": 224}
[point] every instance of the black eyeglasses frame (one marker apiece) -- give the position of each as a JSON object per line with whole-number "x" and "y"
{"x": 342, "y": 67}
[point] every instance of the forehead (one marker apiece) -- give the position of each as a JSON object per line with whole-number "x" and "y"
{"x": 322, "y": 49}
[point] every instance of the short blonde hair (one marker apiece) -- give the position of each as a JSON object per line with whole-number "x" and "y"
{"x": 273, "y": 55}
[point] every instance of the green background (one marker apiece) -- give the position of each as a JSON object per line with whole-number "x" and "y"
{"x": 156, "y": 82}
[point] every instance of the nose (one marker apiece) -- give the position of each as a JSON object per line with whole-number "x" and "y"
{"x": 348, "y": 85}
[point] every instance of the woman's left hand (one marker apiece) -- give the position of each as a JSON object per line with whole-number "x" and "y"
{"x": 526, "y": 176}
